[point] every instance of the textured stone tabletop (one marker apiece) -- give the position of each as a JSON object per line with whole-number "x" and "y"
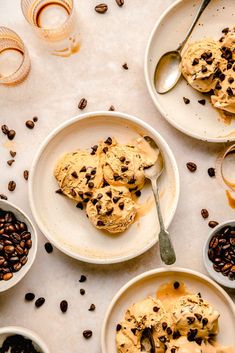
{"x": 52, "y": 92}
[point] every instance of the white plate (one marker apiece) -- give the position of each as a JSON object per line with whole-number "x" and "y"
{"x": 147, "y": 284}
{"x": 68, "y": 227}
{"x": 202, "y": 122}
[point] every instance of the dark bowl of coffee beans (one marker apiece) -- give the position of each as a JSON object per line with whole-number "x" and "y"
{"x": 219, "y": 254}
{"x": 18, "y": 245}
{"x": 19, "y": 339}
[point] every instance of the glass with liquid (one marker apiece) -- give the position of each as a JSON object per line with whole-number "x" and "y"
{"x": 52, "y": 19}
{"x": 14, "y": 58}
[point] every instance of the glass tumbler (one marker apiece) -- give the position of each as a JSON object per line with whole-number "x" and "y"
{"x": 53, "y": 20}
{"x": 14, "y": 58}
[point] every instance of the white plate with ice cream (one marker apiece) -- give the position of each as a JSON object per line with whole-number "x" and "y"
{"x": 199, "y": 121}
{"x": 147, "y": 284}
{"x": 65, "y": 225}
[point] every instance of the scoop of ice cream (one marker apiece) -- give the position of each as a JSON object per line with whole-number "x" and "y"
{"x": 199, "y": 63}
{"x": 194, "y": 318}
{"x": 124, "y": 165}
{"x": 128, "y": 338}
{"x": 224, "y": 97}
{"x": 78, "y": 174}
{"x": 111, "y": 208}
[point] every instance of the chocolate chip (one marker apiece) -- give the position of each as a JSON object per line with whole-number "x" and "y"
{"x": 230, "y": 91}
{"x": 118, "y": 327}
{"x": 176, "y": 335}
{"x": 192, "y": 335}
{"x": 94, "y": 201}
{"x": 173, "y": 350}
{"x": 229, "y": 66}
{"x": 231, "y": 80}
{"x": 48, "y": 247}
{"x": 35, "y": 119}
{"x": 125, "y": 66}
{"x": 138, "y": 193}
{"x": 164, "y": 326}
{"x": 100, "y": 223}
{"x": 162, "y": 339}
{"x": 91, "y": 184}
{"x": 10, "y": 162}
{"x": 204, "y": 213}
{"x": 225, "y": 30}
{"x": 122, "y": 159}
{"x": 124, "y": 168}
{"x": 212, "y": 224}
{"x": 204, "y": 321}
{"x": 92, "y": 307}
{"x": 186, "y": 100}
{"x": 29, "y": 297}
{"x": 64, "y": 306}
{"x": 190, "y": 320}
{"x": 82, "y": 279}
{"x": 156, "y": 309}
{"x": 5, "y": 129}
{"x": 59, "y": 191}
{"x": 29, "y": 124}
{"x": 105, "y": 149}
{"x": 111, "y": 108}
{"x": 87, "y": 333}
{"x": 116, "y": 199}
{"x": 202, "y": 101}
{"x": 132, "y": 181}
{"x": 82, "y": 291}
{"x": 74, "y": 174}
{"x": 176, "y": 284}
{"x": 218, "y": 86}
{"x": 192, "y": 167}
{"x": 101, "y": 8}
{"x": 109, "y": 193}
{"x": 204, "y": 68}
{"x": 109, "y": 212}
{"x": 109, "y": 141}
{"x": 13, "y": 154}
{"x": 198, "y": 316}
{"x": 79, "y": 205}
{"x": 3, "y": 197}
{"x": 195, "y": 62}
{"x": 26, "y": 174}
{"x": 83, "y": 169}
{"x": 198, "y": 340}
{"x": 94, "y": 148}
{"x": 99, "y": 196}
{"x": 169, "y": 331}
{"x": 121, "y": 205}
{"x": 11, "y": 134}
{"x": 88, "y": 193}
{"x": 93, "y": 171}
{"x": 116, "y": 176}
{"x": 11, "y": 185}
{"x": 39, "y": 302}
{"x": 82, "y": 104}
{"x": 211, "y": 172}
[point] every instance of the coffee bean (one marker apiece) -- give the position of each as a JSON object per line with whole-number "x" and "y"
{"x": 5, "y": 129}
{"x": 7, "y": 276}
{"x": 82, "y": 104}
{"x": 64, "y": 306}
{"x": 92, "y": 307}
{"x": 186, "y": 100}
{"x": 29, "y": 124}
{"x": 204, "y": 213}
{"x": 87, "y": 334}
{"x": 82, "y": 291}
{"x": 9, "y": 249}
{"x": 192, "y": 167}
{"x": 11, "y": 185}
{"x": 120, "y": 2}
{"x": 29, "y": 296}
{"x": 26, "y": 174}
{"x": 211, "y": 172}
{"x": 82, "y": 279}
{"x": 39, "y": 302}
{"x": 17, "y": 267}
{"x": 3, "y": 197}
{"x": 212, "y": 224}
{"x": 11, "y": 134}
{"x": 10, "y": 162}
{"x": 214, "y": 242}
{"x": 101, "y": 8}
{"x": 48, "y": 247}
{"x": 125, "y": 66}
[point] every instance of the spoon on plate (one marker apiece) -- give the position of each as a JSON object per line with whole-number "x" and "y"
{"x": 167, "y": 72}
{"x": 153, "y": 173}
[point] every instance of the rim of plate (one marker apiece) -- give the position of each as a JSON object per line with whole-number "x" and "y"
{"x": 150, "y": 273}
{"x": 152, "y": 93}
{"x": 43, "y": 146}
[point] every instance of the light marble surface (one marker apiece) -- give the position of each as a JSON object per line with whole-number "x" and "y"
{"x": 52, "y": 92}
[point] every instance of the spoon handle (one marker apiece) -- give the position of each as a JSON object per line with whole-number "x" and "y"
{"x": 166, "y": 248}
{"x": 200, "y": 11}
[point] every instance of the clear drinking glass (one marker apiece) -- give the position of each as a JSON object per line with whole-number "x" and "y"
{"x": 52, "y": 19}
{"x": 14, "y": 58}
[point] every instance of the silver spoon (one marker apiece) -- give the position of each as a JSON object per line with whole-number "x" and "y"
{"x": 153, "y": 173}
{"x": 167, "y": 72}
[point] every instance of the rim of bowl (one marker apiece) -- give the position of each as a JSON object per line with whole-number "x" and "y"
{"x": 152, "y": 92}
{"x": 12, "y": 282}
{"x": 218, "y": 277}
{"x": 83, "y": 116}
{"x": 26, "y": 333}
{"x": 150, "y": 273}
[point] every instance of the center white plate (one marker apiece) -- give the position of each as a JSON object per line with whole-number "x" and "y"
{"x": 66, "y": 226}
{"x": 147, "y": 284}
{"x": 202, "y": 122}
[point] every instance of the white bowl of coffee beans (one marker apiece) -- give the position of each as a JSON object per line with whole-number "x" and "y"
{"x": 19, "y": 339}
{"x": 18, "y": 245}
{"x": 219, "y": 254}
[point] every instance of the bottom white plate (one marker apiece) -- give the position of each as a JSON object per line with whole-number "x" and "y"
{"x": 147, "y": 283}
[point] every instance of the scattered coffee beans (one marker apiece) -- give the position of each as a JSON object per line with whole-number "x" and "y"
{"x": 87, "y": 334}
{"x": 111, "y": 108}
{"x": 92, "y": 307}
{"x": 48, "y": 247}
{"x": 202, "y": 101}
{"x": 15, "y": 242}
{"x": 212, "y": 224}
{"x": 11, "y": 134}
{"x": 222, "y": 252}
{"x": 29, "y": 124}
{"x": 125, "y": 66}
{"x": 11, "y": 185}
{"x": 29, "y": 296}
{"x": 120, "y": 2}
{"x": 10, "y": 162}
{"x": 101, "y": 8}
{"x": 5, "y": 129}
{"x": 186, "y": 100}
{"x": 82, "y": 104}
{"x": 26, "y": 174}
{"x": 18, "y": 344}
{"x": 3, "y": 197}
{"x": 204, "y": 213}
{"x": 64, "y": 306}
{"x": 192, "y": 167}
{"x": 39, "y": 302}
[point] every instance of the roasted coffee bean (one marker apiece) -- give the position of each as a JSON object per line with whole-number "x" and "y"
{"x": 11, "y": 185}
{"x": 48, "y": 247}
{"x": 11, "y": 134}
{"x": 212, "y": 224}
{"x": 192, "y": 167}
{"x": 82, "y": 104}
{"x": 125, "y": 66}
{"x": 5, "y": 129}
{"x": 120, "y": 2}
{"x": 29, "y": 296}
{"x": 25, "y": 235}
{"x": 92, "y": 307}
{"x": 39, "y": 302}
{"x": 14, "y": 259}
{"x": 204, "y": 213}
{"x": 26, "y": 174}
{"x": 214, "y": 242}
{"x": 9, "y": 249}
{"x": 101, "y": 8}
{"x": 29, "y": 243}
{"x": 7, "y": 276}
{"x": 211, "y": 172}
{"x": 64, "y": 306}
{"x": 17, "y": 267}
{"x": 87, "y": 334}
{"x": 82, "y": 279}
{"x": 186, "y": 100}
{"x": 3, "y": 197}
{"x": 23, "y": 260}
{"x": 29, "y": 124}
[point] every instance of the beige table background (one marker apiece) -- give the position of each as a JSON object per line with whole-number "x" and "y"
{"x": 52, "y": 92}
